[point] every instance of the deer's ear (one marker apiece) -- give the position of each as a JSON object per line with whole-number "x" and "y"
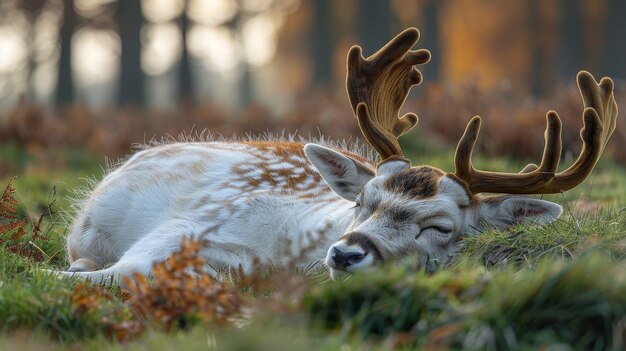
{"x": 506, "y": 210}
{"x": 345, "y": 176}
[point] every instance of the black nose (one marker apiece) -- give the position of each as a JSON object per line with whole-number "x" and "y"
{"x": 346, "y": 259}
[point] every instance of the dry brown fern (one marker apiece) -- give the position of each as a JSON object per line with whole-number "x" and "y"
{"x": 116, "y": 320}
{"x": 182, "y": 292}
{"x": 9, "y": 223}
{"x": 12, "y": 229}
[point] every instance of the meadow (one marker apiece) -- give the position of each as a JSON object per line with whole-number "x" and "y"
{"x": 562, "y": 286}
{"x": 82, "y": 81}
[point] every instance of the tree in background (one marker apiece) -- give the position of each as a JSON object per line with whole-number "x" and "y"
{"x": 65, "y": 81}
{"x": 373, "y": 24}
{"x": 235, "y": 26}
{"x": 614, "y": 53}
{"x": 532, "y": 45}
{"x": 185, "y": 84}
{"x": 572, "y": 48}
{"x": 32, "y": 10}
{"x": 131, "y": 90}
{"x": 322, "y": 43}
{"x": 543, "y": 33}
{"x": 430, "y": 38}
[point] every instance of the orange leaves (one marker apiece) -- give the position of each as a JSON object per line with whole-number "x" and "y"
{"x": 86, "y": 296}
{"x": 10, "y": 224}
{"x": 16, "y": 226}
{"x": 178, "y": 294}
{"x": 182, "y": 292}
{"x": 8, "y": 213}
{"x": 97, "y": 303}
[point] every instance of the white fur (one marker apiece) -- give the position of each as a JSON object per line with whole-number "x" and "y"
{"x": 140, "y": 213}
{"x": 238, "y": 198}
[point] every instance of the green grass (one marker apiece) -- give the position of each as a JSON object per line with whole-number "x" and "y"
{"x": 560, "y": 286}
{"x": 577, "y": 303}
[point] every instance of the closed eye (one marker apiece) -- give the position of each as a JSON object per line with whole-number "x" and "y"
{"x": 440, "y": 229}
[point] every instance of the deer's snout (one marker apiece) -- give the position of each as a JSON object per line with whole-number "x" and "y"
{"x": 343, "y": 259}
{"x": 352, "y": 252}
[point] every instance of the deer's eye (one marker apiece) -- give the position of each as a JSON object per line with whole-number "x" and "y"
{"x": 437, "y": 229}
{"x": 444, "y": 230}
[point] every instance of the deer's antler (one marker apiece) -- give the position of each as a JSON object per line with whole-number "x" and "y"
{"x": 599, "y": 116}
{"x": 377, "y": 87}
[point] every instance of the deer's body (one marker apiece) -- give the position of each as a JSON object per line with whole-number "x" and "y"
{"x": 247, "y": 200}
{"x": 268, "y": 200}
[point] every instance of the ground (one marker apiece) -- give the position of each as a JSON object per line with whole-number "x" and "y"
{"x": 563, "y": 285}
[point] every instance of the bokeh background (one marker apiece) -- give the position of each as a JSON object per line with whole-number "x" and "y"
{"x": 101, "y": 75}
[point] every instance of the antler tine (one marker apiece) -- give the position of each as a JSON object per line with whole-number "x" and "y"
{"x": 599, "y": 119}
{"x": 378, "y": 86}
{"x": 512, "y": 183}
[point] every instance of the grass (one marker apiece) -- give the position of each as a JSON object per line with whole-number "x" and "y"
{"x": 561, "y": 286}
{"x": 578, "y": 303}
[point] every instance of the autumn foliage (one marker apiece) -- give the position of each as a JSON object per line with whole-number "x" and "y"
{"x": 512, "y": 127}
{"x": 13, "y": 235}
{"x": 178, "y": 295}
{"x": 182, "y": 292}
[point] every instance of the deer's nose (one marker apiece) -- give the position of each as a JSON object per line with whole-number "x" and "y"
{"x": 345, "y": 259}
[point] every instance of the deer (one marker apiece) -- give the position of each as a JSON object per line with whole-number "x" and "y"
{"x": 258, "y": 199}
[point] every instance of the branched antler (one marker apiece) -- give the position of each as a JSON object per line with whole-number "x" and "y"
{"x": 378, "y": 86}
{"x": 599, "y": 116}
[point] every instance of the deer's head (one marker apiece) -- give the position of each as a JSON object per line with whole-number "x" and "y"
{"x": 402, "y": 210}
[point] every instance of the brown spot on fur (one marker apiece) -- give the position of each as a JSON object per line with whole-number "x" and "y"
{"x": 285, "y": 148}
{"x": 394, "y": 214}
{"x": 298, "y": 176}
{"x": 416, "y": 182}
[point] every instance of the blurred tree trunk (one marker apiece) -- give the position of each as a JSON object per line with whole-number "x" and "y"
{"x": 185, "y": 87}
{"x": 614, "y": 53}
{"x": 542, "y": 37}
{"x": 536, "y": 70}
{"x": 129, "y": 22}
{"x": 235, "y": 25}
{"x": 32, "y": 10}
{"x": 322, "y": 41}
{"x": 572, "y": 52}
{"x": 246, "y": 90}
{"x": 429, "y": 39}
{"x": 65, "y": 80}
{"x": 246, "y": 98}
{"x": 373, "y": 25}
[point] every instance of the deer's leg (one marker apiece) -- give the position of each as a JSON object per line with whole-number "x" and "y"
{"x": 154, "y": 247}
{"x": 84, "y": 265}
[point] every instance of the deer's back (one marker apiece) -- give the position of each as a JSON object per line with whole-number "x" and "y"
{"x": 209, "y": 183}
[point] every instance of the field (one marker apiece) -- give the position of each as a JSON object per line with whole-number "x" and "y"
{"x": 562, "y": 286}
{"x": 82, "y": 82}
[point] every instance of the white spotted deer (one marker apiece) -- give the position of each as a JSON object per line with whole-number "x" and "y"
{"x": 260, "y": 199}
